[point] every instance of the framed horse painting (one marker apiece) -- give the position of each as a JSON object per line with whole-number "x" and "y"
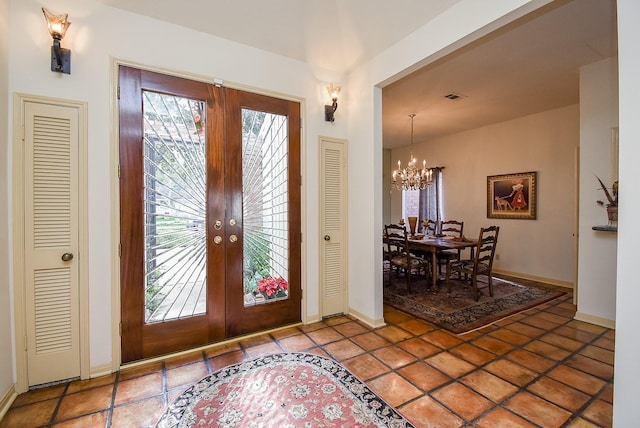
{"x": 512, "y": 196}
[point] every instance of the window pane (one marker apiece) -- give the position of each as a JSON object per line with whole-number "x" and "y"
{"x": 265, "y": 206}
{"x": 175, "y": 204}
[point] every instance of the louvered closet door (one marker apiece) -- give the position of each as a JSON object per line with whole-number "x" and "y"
{"x": 333, "y": 214}
{"x": 51, "y": 242}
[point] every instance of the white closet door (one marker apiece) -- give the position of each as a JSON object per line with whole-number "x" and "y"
{"x": 333, "y": 207}
{"x": 51, "y": 241}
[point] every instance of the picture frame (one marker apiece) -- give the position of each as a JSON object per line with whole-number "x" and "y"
{"x": 512, "y": 196}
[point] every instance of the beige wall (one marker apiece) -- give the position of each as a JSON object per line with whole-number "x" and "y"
{"x": 6, "y": 349}
{"x": 545, "y": 142}
{"x": 597, "y": 252}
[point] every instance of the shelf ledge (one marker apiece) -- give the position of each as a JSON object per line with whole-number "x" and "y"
{"x": 605, "y": 228}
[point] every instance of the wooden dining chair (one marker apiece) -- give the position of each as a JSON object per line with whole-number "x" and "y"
{"x": 389, "y": 249}
{"x": 397, "y": 240}
{"x": 480, "y": 264}
{"x": 450, "y": 228}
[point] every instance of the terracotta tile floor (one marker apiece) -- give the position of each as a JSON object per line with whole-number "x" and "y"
{"x": 539, "y": 368}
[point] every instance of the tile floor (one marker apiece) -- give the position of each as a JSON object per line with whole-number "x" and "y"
{"x": 539, "y": 368}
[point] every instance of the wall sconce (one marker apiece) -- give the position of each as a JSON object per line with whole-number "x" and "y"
{"x": 334, "y": 91}
{"x": 60, "y": 58}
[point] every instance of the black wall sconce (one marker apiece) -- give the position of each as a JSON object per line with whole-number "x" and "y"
{"x": 60, "y": 58}
{"x": 334, "y": 91}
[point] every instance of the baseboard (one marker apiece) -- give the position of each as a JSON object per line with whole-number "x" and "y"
{"x": 7, "y": 400}
{"x": 311, "y": 319}
{"x": 365, "y": 319}
{"x": 101, "y": 370}
{"x": 592, "y": 319}
{"x": 550, "y": 281}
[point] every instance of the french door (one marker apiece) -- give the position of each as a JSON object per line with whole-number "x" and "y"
{"x": 210, "y": 213}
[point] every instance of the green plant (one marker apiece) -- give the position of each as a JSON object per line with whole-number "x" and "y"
{"x": 612, "y": 196}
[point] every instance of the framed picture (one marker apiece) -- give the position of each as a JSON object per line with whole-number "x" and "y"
{"x": 512, "y": 196}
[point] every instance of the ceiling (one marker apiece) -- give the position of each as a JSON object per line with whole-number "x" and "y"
{"x": 529, "y": 66}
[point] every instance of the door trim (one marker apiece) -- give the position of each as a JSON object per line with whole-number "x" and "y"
{"x": 19, "y": 301}
{"x": 116, "y": 353}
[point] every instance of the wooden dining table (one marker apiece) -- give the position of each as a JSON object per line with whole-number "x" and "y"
{"x": 433, "y": 244}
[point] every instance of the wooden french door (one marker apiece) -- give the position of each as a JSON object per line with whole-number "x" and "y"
{"x": 210, "y": 213}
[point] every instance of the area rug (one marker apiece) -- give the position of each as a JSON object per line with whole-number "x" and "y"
{"x": 459, "y": 313}
{"x": 281, "y": 390}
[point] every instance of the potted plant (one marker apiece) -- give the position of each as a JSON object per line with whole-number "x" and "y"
{"x": 612, "y": 202}
{"x": 273, "y": 287}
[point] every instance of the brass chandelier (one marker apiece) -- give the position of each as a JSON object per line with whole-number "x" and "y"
{"x": 411, "y": 177}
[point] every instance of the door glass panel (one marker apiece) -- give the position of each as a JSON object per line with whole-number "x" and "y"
{"x": 265, "y": 207}
{"x": 174, "y": 207}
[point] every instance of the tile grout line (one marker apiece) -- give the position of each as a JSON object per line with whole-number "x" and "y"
{"x": 55, "y": 410}
{"x": 116, "y": 383}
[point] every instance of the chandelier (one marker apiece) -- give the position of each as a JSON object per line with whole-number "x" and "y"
{"x": 411, "y": 177}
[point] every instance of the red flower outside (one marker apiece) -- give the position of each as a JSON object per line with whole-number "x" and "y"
{"x": 271, "y": 286}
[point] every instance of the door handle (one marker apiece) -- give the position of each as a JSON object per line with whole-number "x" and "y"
{"x": 327, "y": 238}
{"x": 233, "y": 238}
{"x": 67, "y": 257}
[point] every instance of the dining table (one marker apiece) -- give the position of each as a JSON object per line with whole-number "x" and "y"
{"x": 433, "y": 244}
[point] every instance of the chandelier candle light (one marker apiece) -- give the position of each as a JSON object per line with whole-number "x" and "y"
{"x": 411, "y": 177}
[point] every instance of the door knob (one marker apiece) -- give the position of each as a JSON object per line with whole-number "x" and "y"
{"x": 233, "y": 238}
{"x": 217, "y": 239}
{"x": 67, "y": 257}
{"x": 327, "y": 237}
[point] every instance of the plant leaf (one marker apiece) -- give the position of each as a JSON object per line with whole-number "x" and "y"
{"x": 606, "y": 192}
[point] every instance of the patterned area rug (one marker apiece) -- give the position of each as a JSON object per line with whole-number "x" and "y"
{"x": 459, "y": 313}
{"x": 281, "y": 390}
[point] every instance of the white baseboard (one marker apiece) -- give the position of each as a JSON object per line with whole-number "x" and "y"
{"x": 7, "y": 400}
{"x": 592, "y": 319}
{"x": 550, "y": 281}
{"x": 311, "y": 319}
{"x": 365, "y": 319}
{"x": 101, "y": 370}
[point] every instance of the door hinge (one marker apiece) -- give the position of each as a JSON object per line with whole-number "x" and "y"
{"x": 26, "y": 346}
{"x": 118, "y": 92}
{"x": 119, "y": 171}
{"x": 120, "y": 249}
{"x": 120, "y": 328}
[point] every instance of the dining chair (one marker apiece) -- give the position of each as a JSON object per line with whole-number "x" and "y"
{"x": 452, "y": 228}
{"x": 480, "y": 264}
{"x": 389, "y": 249}
{"x": 397, "y": 240}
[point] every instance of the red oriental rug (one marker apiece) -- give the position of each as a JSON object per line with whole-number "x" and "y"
{"x": 458, "y": 312}
{"x": 281, "y": 390}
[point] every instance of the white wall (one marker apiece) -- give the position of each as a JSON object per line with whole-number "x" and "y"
{"x": 597, "y": 250}
{"x": 627, "y": 369}
{"x": 545, "y": 142}
{"x": 97, "y": 35}
{"x": 6, "y": 350}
